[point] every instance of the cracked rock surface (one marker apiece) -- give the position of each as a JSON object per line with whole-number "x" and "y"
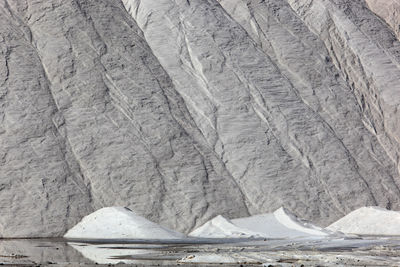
{"x": 183, "y": 110}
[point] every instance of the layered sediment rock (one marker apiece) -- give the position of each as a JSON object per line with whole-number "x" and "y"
{"x": 182, "y": 110}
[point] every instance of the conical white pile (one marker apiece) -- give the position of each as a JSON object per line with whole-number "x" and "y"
{"x": 369, "y": 221}
{"x": 118, "y": 222}
{"x": 122, "y": 223}
{"x": 280, "y": 224}
{"x": 220, "y": 227}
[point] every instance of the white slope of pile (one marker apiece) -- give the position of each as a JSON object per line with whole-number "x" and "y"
{"x": 292, "y": 222}
{"x": 220, "y": 227}
{"x": 280, "y": 224}
{"x": 119, "y": 223}
{"x": 369, "y": 221}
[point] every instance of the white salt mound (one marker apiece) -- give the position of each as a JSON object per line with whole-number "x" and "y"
{"x": 369, "y": 221}
{"x": 280, "y": 224}
{"x": 119, "y": 222}
{"x": 220, "y": 227}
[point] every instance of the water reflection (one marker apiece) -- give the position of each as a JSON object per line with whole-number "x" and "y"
{"x": 367, "y": 250}
{"x": 124, "y": 253}
{"x": 38, "y": 251}
{"x": 145, "y": 251}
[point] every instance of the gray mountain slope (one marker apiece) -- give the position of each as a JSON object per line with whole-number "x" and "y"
{"x": 388, "y": 10}
{"x": 182, "y": 110}
{"x": 42, "y": 189}
{"x": 118, "y": 111}
{"x": 286, "y": 92}
{"x": 367, "y": 54}
{"x": 304, "y": 60}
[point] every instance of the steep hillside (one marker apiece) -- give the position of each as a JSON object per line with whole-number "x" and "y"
{"x": 389, "y": 10}
{"x": 112, "y": 120}
{"x": 183, "y": 110}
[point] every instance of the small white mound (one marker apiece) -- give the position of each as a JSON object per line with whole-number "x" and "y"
{"x": 119, "y": 223}
{"x": 280, "y": 224}
{"x": 290, "y": 221}
{"x": 220, "y": 227}
{"x": 369, "y": 221}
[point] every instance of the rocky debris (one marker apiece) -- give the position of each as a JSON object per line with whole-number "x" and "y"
{"x": 183, "y": 110}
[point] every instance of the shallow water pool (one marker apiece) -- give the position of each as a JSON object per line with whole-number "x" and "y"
{"x": 357, "y": 251}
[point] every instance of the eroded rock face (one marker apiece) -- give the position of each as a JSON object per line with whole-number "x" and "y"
{"x": 182, "y": 110}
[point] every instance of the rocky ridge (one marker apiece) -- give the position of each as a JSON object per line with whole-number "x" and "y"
{"x": 182, "y": 110}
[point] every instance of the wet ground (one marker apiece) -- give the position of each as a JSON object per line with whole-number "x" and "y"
{"x": 356, "y": 251}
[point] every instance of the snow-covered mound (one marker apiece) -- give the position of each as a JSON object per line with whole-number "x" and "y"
{"x": 280, "y": 224}
{"x": 119, "y": 222}
{"x": 369, "y": 221}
